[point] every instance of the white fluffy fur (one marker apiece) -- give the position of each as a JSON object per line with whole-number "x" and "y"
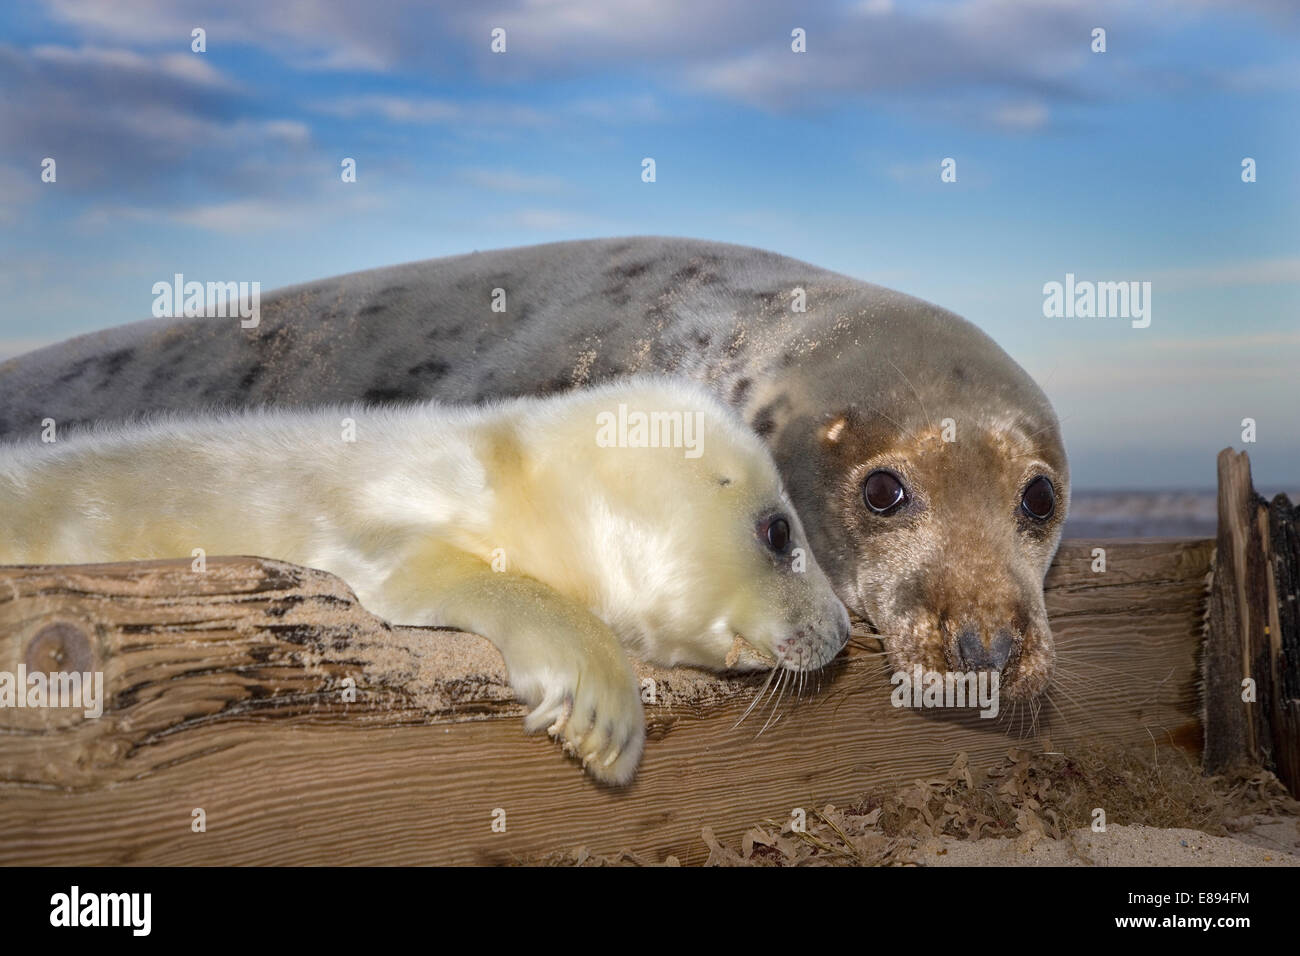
{"x": 643, "y": 547}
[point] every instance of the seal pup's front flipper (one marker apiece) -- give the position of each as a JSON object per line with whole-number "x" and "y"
{"x": 563, "y": 661}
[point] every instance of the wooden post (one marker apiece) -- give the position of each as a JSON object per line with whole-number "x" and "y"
{"x": 307, "y": 731}
{"x": 1251, "y": 663}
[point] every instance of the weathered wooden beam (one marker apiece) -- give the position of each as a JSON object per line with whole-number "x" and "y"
{"x": 228, "y": 691}
{"x": 1252, "y": 653}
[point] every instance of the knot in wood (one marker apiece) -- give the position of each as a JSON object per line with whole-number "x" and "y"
{"x": 59, "y": 648}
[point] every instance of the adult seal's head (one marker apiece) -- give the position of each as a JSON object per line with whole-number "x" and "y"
{"x": 940, "y": 482}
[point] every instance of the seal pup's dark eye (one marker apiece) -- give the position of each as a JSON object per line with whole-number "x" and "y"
{"x": 1038, "y": 499}
{"x": 883, "y": 491}
{"x": 775, "y": 531}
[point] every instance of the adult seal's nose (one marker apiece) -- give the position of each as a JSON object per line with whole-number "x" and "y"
{"x": 974, "y": 655}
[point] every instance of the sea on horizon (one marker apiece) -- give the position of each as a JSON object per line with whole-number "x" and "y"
{"x": 1146, "y": 514}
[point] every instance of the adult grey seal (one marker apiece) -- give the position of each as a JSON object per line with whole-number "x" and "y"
{"x": 927, "y": 466}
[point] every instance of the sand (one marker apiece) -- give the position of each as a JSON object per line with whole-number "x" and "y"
{"x": 1125, "y": 846}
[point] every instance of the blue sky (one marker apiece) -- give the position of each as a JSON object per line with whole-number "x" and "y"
{"x": 1116, "y": 166}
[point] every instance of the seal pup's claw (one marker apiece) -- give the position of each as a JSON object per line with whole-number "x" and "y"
{"x": 566, "y": 711}
{"x": 551, "y": 713}
{"x": 593, "y": 705}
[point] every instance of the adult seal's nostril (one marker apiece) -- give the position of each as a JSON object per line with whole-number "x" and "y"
{"x": 971, "y": 652}
{"x": 1001, "y": 648}
{"x": 975, "y": 656}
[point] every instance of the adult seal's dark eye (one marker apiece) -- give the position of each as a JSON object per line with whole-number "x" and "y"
{"x": 883, "y": 492}
{"x": 1039, "y": 499}
{"x": 778, "y": 535}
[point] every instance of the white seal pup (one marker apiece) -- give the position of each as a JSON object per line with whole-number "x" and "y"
{"x": 641, "y": 515}
{"x": 927, "y": 465}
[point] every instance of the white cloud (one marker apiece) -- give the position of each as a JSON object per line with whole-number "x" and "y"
{"x": 424, "y": 110}
{"x": 185, "y": 67}
{"x": 240, "y": 215}
{"x": 875, "y": 8}
{"x": 314, "y": 34}
{"x": 259, "y": 215}
{"x": 121, "y": 119}
{"x": 1021, "y": 117}
{"x": 287, "y": 131}
{"x": 397, "y": 109}
{"x": 918, "y": 171}
{"x": 614, "y": 109}
{"x": 1012, "y": 60}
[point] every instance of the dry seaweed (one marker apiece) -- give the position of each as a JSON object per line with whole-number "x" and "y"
{"x": 1027, "y": 796}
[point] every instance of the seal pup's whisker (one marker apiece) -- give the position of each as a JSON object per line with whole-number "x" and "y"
{"x": 776, "y": 703}
{"x": 759, "y": 696}
{"x": 776, "y": 699}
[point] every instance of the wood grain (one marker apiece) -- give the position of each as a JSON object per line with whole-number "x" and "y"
{"x": 226, "y": 691}
{"x": 1254, "y": 629}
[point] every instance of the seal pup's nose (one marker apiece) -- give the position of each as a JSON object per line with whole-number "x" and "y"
{"x": 975, "y": 656}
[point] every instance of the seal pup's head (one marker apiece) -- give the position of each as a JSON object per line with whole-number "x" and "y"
{"x": 702, "y": 557}
{"x": 942, "y": 487}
